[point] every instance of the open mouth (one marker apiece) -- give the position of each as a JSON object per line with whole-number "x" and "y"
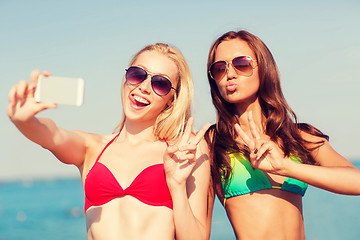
{"x": 139, "y": 101}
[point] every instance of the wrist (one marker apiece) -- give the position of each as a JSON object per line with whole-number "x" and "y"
{"x": 288, "y": 165}
{"x": 24, "y": 123}
{"x": 176, "y": 187}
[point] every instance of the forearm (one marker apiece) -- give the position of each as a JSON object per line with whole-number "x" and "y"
{"x": 68, "y": 146}
{"x": 187, "y": 226}
{"x": 42, "y": 131}
{"x": 337, "y": 179}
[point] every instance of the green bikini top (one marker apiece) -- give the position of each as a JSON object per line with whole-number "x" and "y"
{"x": 246, "y": 179}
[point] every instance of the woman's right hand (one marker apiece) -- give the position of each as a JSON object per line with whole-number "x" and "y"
{"x": 22, "y": 105}
{"x": 68, "y": 146}
{"x": 265, "y": 155}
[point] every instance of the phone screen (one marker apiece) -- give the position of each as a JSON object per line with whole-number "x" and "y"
{"x": 60, "y": 90}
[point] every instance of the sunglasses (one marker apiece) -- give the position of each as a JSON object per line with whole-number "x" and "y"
{"x": 161, "y": 85}
{"x": 243, "y": 64}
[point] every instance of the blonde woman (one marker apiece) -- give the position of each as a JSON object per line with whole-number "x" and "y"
{"x": 151, "y": 180}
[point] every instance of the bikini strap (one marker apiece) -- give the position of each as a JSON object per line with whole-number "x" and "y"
{"x": 108, "y": 144}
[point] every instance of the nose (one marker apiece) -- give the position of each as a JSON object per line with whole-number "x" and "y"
{"x": 231, "y": 72}
{"x": 145, "y": 86}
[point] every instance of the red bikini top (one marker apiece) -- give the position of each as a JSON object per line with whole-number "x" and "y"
{"x": 149, "y": 186}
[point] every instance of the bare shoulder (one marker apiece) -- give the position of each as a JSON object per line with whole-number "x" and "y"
{"x": 311, "y": 138}
{"x": 209, "y": 135}
{"x": 93, "y": 139}
{"x": 94, "y": 145}
{"x": 203, "y": 147}
{"x": 323, "y": 153}
{"x": 201, "y": 174}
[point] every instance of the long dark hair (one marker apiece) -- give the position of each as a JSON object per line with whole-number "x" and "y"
{"x": 280, "y": 121}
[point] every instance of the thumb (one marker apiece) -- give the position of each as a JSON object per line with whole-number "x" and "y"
{"x": 41, "y": 106}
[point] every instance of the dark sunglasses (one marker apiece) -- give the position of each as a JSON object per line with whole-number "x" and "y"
{"x": 161, "y": 85}
{"x": 243, "y": 64}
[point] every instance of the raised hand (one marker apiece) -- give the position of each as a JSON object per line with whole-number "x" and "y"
{"x": 180, "y": 159}
{"x": 22, "y": 105}
{"x": 264, "y": 153}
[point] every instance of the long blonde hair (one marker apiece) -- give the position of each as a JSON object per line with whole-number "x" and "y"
{"x": 171, "y": 121}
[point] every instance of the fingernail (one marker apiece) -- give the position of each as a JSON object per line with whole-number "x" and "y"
{"x": 256, "y": 151}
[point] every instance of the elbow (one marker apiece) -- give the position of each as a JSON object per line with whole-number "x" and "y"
{"x": 357, "y": 188}
{"x": 357, "y": 184}
{"x": 354, "y": 187}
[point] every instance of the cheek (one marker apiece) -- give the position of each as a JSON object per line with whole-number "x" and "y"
{"x": 250, "y": 87}
{"x": 256, "y": 81}
{"x": 166, "y": 102}
{"x": 170, "y": 100}
{"x": 124, "y": 91}
{"x": 162, "y": 102}
{"x": 127, "y": 89}
{"x": 221, "y": 85}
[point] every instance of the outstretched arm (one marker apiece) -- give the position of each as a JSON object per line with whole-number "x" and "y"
{"x": 188, "y": 177}
{"x": 67, "y": 146}
{"x": 333, "y": 172}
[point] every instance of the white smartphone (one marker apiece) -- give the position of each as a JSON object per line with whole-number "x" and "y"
{"x": 60, "y": 90}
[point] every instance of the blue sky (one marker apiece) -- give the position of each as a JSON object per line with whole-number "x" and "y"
{"x": 315, "y": 44}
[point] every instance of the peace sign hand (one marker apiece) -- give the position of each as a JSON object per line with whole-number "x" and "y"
{"x": 180, "y": 159}
{"x": 264, "y": 153}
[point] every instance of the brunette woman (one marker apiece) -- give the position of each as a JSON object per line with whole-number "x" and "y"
{"x": 262, "y": 157}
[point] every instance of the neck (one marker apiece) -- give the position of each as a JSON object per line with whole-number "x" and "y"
{"x": 242, "y": 112}
{"x": 135, "y": 132}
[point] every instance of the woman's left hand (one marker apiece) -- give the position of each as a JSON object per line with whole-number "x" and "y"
{"x": 264, "y": 153}
{"x": 180, "y": 159}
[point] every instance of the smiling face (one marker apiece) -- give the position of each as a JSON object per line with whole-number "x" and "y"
{"x": 233, "y": 86}
{"x": 140, "y": 102}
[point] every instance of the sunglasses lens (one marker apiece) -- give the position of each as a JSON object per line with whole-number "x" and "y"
{"x": 243, "y": 64}
{"x": 135, "y": 75}
{"x": 161, "y": 85}
{"x": 217, "y": 70}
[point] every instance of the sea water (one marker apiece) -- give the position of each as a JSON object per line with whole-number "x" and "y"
{"x": 53, "y": 209}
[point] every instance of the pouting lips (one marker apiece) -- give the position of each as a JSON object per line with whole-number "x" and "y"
{"x": 231, "y": 87}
